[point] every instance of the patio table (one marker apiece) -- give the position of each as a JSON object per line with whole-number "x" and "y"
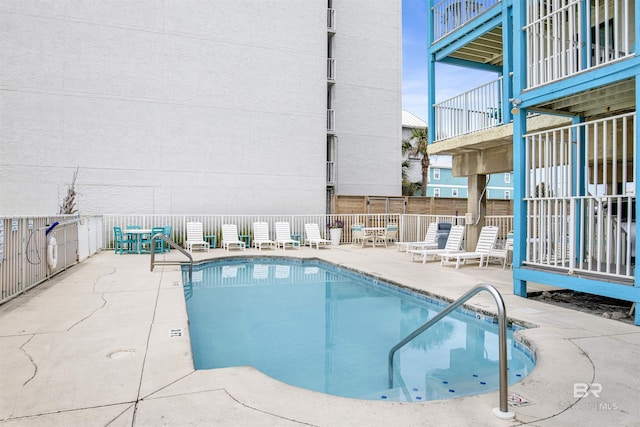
{"x": 137, "y": 233}
{"x": 371, "y": 231}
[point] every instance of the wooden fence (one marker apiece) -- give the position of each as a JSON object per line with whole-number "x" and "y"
{"x": 413, "y": 205}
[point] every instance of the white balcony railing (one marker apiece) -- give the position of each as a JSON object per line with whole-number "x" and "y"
{"x": 449, "y": 15}
{"x": 331, "y": 19}
{"x": 331, "y": 173}
{"x": 471, "y": 111}
{"x": 331, "y": 120}
{"x": 331, "y": 69}
{"x": 582, "y": 223}
{"x": 564, "y": 38}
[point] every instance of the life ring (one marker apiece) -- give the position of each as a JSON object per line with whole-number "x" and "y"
{"x": 52, "y": 253}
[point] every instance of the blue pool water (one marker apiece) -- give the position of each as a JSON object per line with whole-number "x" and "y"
{"x": 328, "y": 329}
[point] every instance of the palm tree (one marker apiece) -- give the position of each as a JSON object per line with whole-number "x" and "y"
{"x": 408, "y": 188}
{"x": 417, "y": 146}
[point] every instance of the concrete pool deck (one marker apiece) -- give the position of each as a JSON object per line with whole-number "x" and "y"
{"x": 106, "y": 343}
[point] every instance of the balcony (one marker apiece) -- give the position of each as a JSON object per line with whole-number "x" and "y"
{"x": 331, "y": 121}
{"x": 331, "y": 173}
{"x": 331, "y": 20}
{"x": 565, "y": 39}
{"x": 331, "y": 70}
{"x": 449, "y": 15}
{"x": 471, "y": 111}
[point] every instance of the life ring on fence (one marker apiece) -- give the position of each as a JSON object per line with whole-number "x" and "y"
{"x": 52, "y": 253}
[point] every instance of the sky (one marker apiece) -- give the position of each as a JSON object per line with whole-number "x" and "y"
{"x": 450, "y": 80}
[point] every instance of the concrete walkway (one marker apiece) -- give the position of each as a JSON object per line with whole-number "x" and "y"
{"x": 106, "y": 343}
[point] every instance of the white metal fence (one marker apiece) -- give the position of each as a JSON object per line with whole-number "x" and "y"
{"x": 564, "y": 37}
{"x": 23, "y": 249}
{"x": 583, "y": 221}
{"x": 411, "y": 228}
{"x": 600, "y": 238}
{"x": 212, "y": 224}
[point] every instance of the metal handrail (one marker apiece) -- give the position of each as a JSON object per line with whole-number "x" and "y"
{"x": 173, "y": 245}
{"x": 502, "y": 338}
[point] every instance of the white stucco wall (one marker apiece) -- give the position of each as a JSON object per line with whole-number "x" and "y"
{"x": 368, "y": 96}
{"x": 204, "y": 107}
{"x": 169, "y": 106}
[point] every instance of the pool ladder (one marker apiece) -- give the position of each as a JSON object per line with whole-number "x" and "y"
{"x": 503, "y": 410}
{"x": 160, "y": 236}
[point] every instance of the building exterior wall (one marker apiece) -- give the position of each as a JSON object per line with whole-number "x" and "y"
{"x": 368, "y": 96}
{"x": 187, "y": 107}
{"x": 500, "y": 187}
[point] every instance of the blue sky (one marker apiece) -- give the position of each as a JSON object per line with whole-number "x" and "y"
{"x": 450, "y": 80}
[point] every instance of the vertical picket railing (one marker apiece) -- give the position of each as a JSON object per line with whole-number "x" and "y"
{"x": 471, "y": 111}
{"x": 449, "y": 15}
{"x": 582, "y": 222}
{"x": 411, "y": 228}
{"x": 565, "y": 38}
{"x": 23, "y": 258}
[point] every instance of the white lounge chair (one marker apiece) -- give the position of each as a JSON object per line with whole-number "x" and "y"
{"x": 453, "y": 245}
{"x": 283, "y": 236}
{"x": 502, "y": 253}
{"x": 195, "y": 237}
{"x": 312, "y": 232}
{"x": 430, "y": 240}
{"x": 486, "y": 240}
{"x": 230, "y": 237}
{"x": 261, "y": 236}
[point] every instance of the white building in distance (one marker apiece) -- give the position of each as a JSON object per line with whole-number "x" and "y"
{"x": 203, "y": 107}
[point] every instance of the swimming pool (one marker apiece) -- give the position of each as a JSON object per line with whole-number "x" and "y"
{"x": 322, "y": 327}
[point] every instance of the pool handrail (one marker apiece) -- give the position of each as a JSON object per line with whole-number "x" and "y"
{"x": 503, "y": 410}
{"x": 173, "y": 245}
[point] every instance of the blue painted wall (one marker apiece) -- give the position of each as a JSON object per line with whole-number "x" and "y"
{"x": 442, "y": 180}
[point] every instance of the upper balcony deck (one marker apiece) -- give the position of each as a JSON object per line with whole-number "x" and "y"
{"x": 572, "y": 60}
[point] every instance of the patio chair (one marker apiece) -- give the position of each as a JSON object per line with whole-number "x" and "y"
{"x": 390, "y": 234}
{"x": 283, "y": 236}
{"x": 261, "y": 236}
{"x": 486, "y": 241}
{"x": 502, "y": 253}
{"x": 357, "y": 233}
{"x": 368, "y": 236}
{"x": 195, "y": 237}
{"x": 145, "y": 243}
{"x": 122, "y": 244}
{"x": 453, "y": 245}
{"x": 167, "y": 233}
{"x": 230, "y": 237}
{"x": 430, "y": 240}
{"x": 312, "y": 232}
